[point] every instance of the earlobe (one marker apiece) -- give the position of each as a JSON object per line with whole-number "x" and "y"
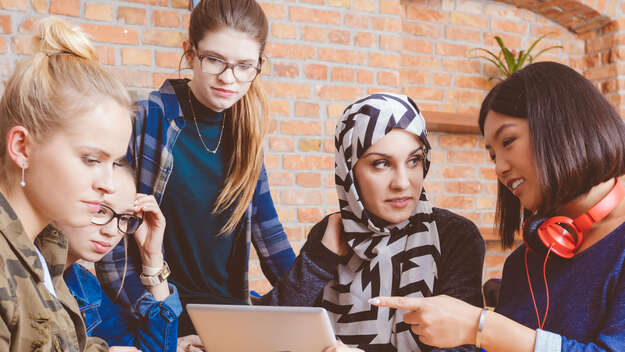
{"x": 18, "y": 145}
{"x": 188, "y": 52}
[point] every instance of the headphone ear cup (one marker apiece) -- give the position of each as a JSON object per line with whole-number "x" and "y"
{"x": 530, "y": 235}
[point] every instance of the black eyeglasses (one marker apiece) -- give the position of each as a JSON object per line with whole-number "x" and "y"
{"x": 126, "y": 223}
{"x": 215, "y": 66}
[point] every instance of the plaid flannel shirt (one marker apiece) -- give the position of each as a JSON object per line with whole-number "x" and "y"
{"x": 159, "y": 121}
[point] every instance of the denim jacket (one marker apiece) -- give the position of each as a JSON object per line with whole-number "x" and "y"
{"x": 157, "y": 331}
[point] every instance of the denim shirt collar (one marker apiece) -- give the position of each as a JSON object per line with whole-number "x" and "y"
{"x": 83, "y": 286}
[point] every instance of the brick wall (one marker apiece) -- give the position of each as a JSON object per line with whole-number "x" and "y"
{"x": 325, "y": 53}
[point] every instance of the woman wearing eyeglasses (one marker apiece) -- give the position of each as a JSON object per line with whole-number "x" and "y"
{"x": 198, "y": 148}
{"x": 121, "y": 215}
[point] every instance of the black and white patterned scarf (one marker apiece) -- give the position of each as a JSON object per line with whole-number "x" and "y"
{"x": 387, "y": 259}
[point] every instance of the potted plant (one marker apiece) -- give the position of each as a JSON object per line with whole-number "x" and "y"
{"x": 509, "y": 62}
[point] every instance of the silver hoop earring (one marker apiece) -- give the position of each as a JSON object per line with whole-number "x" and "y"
{"x": 22, "y": 182}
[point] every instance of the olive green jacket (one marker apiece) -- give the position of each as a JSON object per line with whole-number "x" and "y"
{"x": 32, "y": 319}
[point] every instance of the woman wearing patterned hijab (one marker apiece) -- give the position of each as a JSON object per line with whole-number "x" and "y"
{"x": 387, "y": 239}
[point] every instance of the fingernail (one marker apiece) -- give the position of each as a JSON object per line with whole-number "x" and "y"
{"x": 374, "y": 301}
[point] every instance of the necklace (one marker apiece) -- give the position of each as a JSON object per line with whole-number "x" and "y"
{"x": 198, "y": 129}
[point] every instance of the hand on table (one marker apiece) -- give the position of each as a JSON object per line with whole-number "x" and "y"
{"x": 123, "y": 349}
{"x": 190, "y": 343}
{"x": 440, "y": 321}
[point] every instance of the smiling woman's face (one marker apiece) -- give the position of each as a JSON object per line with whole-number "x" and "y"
{"x": 389, "y": 176}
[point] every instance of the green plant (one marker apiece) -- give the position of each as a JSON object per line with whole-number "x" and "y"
{"x": 507, "y": 62}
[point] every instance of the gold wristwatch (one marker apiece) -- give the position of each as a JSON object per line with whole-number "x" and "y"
{"x": 157, "y": 278}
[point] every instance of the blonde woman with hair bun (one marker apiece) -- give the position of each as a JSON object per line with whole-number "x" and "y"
{"x": 65, "y": 125}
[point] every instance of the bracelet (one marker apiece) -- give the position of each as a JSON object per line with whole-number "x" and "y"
{"x": 150, "y": 270}
{"x": 480, "y": 327}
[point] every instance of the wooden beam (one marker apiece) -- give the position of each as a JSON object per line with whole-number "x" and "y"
{"x": 451, "y": 122}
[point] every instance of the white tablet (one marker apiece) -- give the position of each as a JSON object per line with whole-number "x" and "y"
{"x": 261, "y": 328}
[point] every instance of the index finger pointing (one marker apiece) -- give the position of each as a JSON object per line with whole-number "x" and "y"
{"x": 406, "y": 303}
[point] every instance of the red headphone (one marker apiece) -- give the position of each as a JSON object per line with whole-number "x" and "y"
{"x": 562, "y": 235}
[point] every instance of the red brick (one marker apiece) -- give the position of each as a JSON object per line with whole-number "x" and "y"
{"x": 284, "y": 30}
{"x": 309, "y": 145}
{"x": 422, "y": 29}
{"x": 133, "y": 56}
{"x": 180, "y": 4}
{"x": 65, "y": 7}
{"x": 313, "y": 34}
{"x": 328, "y": 179}
{"x": 466, "y": 156}
{"x": 391, "y": 42}
{"x": 339, "y": 3}
{"x": 331, "y": 198}
{"x": 133, "y": 78}
{"x": 22, "y": 45}
{"x": 463, "y": 19}
{"x": 386, "y": 24}
{"x": 386, "y": 78}
{"x": 512, "y": 42}
{"x": 291, "y": 51}
{"x": 27, "y": 25}
{"x": 459, "y": 172}
{"x": 279, "y": 108}
{"x": 305, "y": 109}
{"x": 4, "y": 49}
{"x": 287, "y": 89}
{"x": 415, "y": 12}
{"x": 458, "y": 141}
{"x": 294, "y": 233}
{"x": 342, "y": 56}
{"x": 486, "y": 203}
{"x": 99, "y": 12}
{"x": 414, "y": 76}
{"x": 508, "y": 26}
{"x": 347, "y": 93}
{"x": 168, "y": 59}
{"x": 465, "y": 96}
{"x": 488, "y": 173}
{"x": 466, "y": 187}
{"x": 131, "y": 15}
{"x": 356, "y": 20}
{"x": 390, "y": 7}
{"x": 304, "y": 14}
{"x": 272, "y": 162}
{"x": 286, "y": 69}
{"x": 453, "y": 202}
{"x": 306, "y": 128}
{"x": 106, "y": 54}
{"x": 280, "y": 178}
{"x": 364, "y": 76}
{"x": 448, "y": 49}
{"x": 421, "y": 61}
{"x": 477, "y": 82}
{"x": 308, "y": 162}
{"x": 418, "y": 45}
{"x": 391, "y": 61}
{"x": 40, "y": 6}
{"x": 424, "y": 93}
{"x": 365, "y": 39}
{"x": 159, "y": 77}
{"x": 342, "y": 74}
{"x": 163, "y": 38}
{"x": 281, "y": 144}
{"x": 339, "y": 37}
{"x": 186, "y": 18}
{"x": 5, "y": 24}
{"x": 111, "y": 34}
{"x": 364, "y": 5}
{"x": 166, "y": 18}
{"x": 463, "y": 34}
{"x": 273, "y": 10}
{"x": 316, "y": 71}
{"x": 335, "y": 110}
{"x": 309, "y": 215}
{"x": 463, "y": 65}
{"x": 308, "y": 179}
{"x": 300, "y": 197}
{"x": 441, "y": 79}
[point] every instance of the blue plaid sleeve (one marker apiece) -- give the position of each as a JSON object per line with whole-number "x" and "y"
{"x": 268, "y": 236}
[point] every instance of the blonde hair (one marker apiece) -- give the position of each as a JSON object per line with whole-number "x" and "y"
{"x": 248, "y": 119}
{"x": 47, "y": 89}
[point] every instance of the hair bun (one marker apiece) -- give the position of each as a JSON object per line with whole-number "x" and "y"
{"x": 56, "y": 36}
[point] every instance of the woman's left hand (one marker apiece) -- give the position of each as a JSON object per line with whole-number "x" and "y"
{"x": 190, "y": 343}
{"x": 149, "y": 236}
{"x": 440, "y": 321}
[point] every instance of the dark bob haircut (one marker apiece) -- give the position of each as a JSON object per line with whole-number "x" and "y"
{"x": 577, "y": 138}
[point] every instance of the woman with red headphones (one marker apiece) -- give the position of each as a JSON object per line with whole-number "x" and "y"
{"x": 558, "y": 148}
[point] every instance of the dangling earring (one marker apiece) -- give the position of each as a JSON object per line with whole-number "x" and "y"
{"x": 22, "y": 182}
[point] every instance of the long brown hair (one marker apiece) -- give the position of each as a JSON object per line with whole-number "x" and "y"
{"x": 50, "y": 87}
{"x": 247, "y": 120}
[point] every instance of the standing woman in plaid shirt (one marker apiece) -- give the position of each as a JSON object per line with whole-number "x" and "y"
{"x": 197, "y": 147}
